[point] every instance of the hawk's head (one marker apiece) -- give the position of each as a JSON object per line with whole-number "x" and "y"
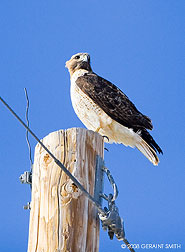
{"x": 79, "y": 61}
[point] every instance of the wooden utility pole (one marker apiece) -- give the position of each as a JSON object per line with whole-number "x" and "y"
{"x": 62, "y": 219}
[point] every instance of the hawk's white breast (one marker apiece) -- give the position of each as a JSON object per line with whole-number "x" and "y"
{"x": 87, "y": 111}
{"x": 94, "y": 118}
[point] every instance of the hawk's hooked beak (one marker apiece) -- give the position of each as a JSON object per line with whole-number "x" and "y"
{"x": 85, "y": 57}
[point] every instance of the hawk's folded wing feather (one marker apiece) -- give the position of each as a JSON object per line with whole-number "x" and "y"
{"x": 113, "y": 101}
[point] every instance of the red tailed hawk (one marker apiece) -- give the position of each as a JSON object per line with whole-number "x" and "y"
{"x": 104, "y": 108}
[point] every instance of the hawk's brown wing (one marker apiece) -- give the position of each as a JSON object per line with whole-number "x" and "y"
{"x": 113, "y": 101}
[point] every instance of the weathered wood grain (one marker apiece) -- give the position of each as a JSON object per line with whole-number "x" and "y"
{"x": 61, "y": 218}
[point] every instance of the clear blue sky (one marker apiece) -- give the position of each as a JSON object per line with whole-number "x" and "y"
{"x": 139, "y": 46}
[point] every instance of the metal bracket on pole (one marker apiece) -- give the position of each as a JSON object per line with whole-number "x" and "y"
{"x": 99, "y": 174}
{"x": 28, "y": 206}
{"x": 111, "y": 219}
{"x": 26, "y": 177}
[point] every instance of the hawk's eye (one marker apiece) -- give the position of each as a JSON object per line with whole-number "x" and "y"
{"x": 77, "y": 57}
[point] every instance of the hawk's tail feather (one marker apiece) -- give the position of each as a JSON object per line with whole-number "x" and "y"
{"x": 148, "y": 152}
{"x": 145, "y": 135}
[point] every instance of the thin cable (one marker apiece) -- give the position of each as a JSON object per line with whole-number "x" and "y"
{"x": 28, "y": 124}
{"x": 128, "y": 245}
{"x": 94, "y": 202}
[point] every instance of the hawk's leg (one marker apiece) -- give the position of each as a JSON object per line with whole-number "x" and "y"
{"x": 97, "y": 130}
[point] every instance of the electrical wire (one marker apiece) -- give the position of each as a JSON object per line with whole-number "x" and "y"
{"x": 78, "y": 184}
